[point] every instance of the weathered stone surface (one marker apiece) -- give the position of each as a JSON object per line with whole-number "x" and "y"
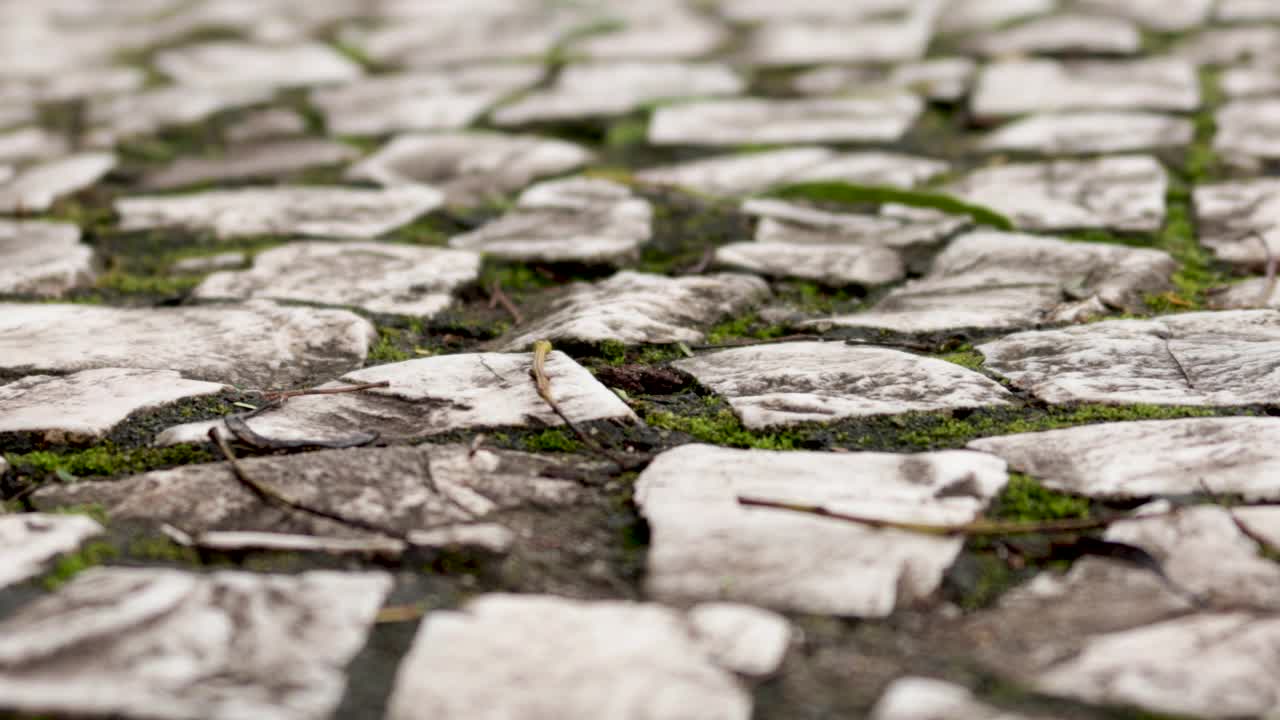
{"x": 742, "y": 174}
{"x": 653, "y": 32}
{"x": 29, "y": 540}
{"x": 470, "y": 167}
{"x": 217, "y": 64}
{"x": 969, "y": 15}
{"x": 1245, "y": 295}
{"x": 788, "y": 383}
{"x": 266, "y": 125}
{"x": 1248, "y": 129}
{"x": 1225, "y": 45}
{"x": 834, "y": 265}
{"x": 636, "y": 308}
{"x": 209, "y": 263}
{"x": 941, "y": 79}
{"x": 615, "y": 88}
{"x": 1017, "y": 87}
{"x": 118, "y": 117}
{"x": 878, "y": 118}
{"x": 1087, "y": 133}
{"x": 435, "y": 395}
{"x": 257, "y": 343}
{"x": 1237, "y": 220}
{"x": 895, "y": 226}
{"x": 332, "y": 212}
{"x": 37, "y": 187}
{"x": 30, "y": 143}
{"x": 276, "y": 644}
{"x": 1208, "y": 358}
{"x": 43, "y": 258}
{"x": 807, "y": 41}
{"x": 918, "y": 698}
{"x": 583, "y": 220}
{"x": 1163, "y": 15}
{"x": 248, "y": 162}
{"x": 1120, "y": 192}
{"x": 995, "y": 280}
{"x": 86, "y": 405}
{"x": 1066, "y": 34}
{"x": 505, "y": 656}
{"x": 745, "y": 639}
{"x": 707, "y": 546}
{"x": 378, "y": 277}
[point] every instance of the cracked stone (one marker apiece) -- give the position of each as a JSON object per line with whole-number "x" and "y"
{"x": 1121, "y": 192}
{"x": 637, "y": 308}
{"x": 1237, "y": 218}
{"x": 37, "y": 187}
{"x": 788, "y": 383}
{"x": 28, "y": 541}
{"x": 918, "y": 698}
{"x": 1213, "y": 359}
{"x": 742, "y": 174}
{"x": 879, "y": 118}
{"x": 431, "y": 396}
{"x": 470, "y": 167}
{"x": 118, "y": 117}
{"x": 1089, "y": 133}
{"x": 938, "y": 79}
{"x": 970, "y": 15}
{"x": 1248, "y": 131}
{"x": 377, "y": 277}
{"x": 1017, "y": 87}
{"x": 137, "y": 641}
{"x": 581, "y": 220}
{"x": 705, "y": 545}
{"x": 1067, "y": 34}
{"x": 1161, "y": 15}
{"x": 328, "y": 212}
{"x": 31, "y": 143}
{"x": 218, "y": 64}
{"x": 43, "y": 258}
{"x": 259, "y": 344}
{"x": 253, "y": 161}
{"x": 833, "y": 40}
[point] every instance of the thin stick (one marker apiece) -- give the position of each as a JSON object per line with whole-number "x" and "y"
{"x": 749, "y": 343}
{"x": 496, "y": 295}
{"x": 542, "y": 381}
{"x": 278, "y": 395}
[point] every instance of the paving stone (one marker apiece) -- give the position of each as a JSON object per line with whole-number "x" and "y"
{"x": 71, "y": 84}
{"x": 119, "y": 117}
{"x": 788, "y": 383}
{"x": 470, "y": 167}
{"x": 766, "y": 11}
{"x": 222, "y": 63}
{"x": 1016, "y": 87}
{"x": 1245, "y": 295}
{"x": 1205, "y": 359}
{"x": 616, "y": 88}
{"x": 31, "y": 540}
{"x": 31, "y": 143}
{"x": 970, "y": 15}
{"x": 431, "y": 396}
{"x": 37, "y": 187}
{"x": 43, "y": 258}
{"x": 878, "y": 118}
{"x": 1258, "y": 78}
{"x": 578, "y": 220}
{"x": 277, "y": 644}
{"x": 1236, "y": 218}
{"x": 209, "y": 263}
{"x": 266, "y": 124}
{"x": 939, "y": 79}
{"x": 834, "y": 265}
{"x": 330, "y": 212}
{"x": 525, "y": 32}
{"x": 707, "y": 546}
{"x": 1226, "y": 45}
{"x": 830, "y": 40}
{"x": 251, "y": 161}
{"x": 1119, "y": 192}
{"x": 1247, "y": 10}
{"x": 637, "y": 308}
{"x": 1162, "y": 15}
{"x": 747, "y": 640}
{"x": 377, "y": 277}
{"x": 995, "y": 280}
{"x": 1087, "y": 133}
{"x": 1247, "y": 130}
{"x": 742, "y": 174}
{"x": 1066, "y": 34}
{"x": 256, "y": 343}
{"x": 85, "y": 406}
{"x": 654, "y": 33}
{"x": 427, "y": 100}
{"x": 918, "y": 698}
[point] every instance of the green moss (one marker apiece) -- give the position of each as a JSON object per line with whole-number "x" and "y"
{"x": 68, "y": 566}
{"x": 163, "y": 549}
{"x": 1026, "y": 500}
{"x": 850, "y": 194}
{"x": 552, "y": 440}
{"x": 107, "y": 460}
{"x": 93, "y": 510}
{"x": 387, "y": 349}
{"x": 965, "y": 357}
{"x": 1202, "y": 162}
{"x": 131, "y": 284}
{"x": 746, "y": 327}
{"x": 655, "y": 354}
{"x": 627, "y": 133}
{"x": 1196, "y": 273}
{"x": 613, "y": 352}
{"x": 947, "y": 432}
{"x": 811, "y": 298}
{"x": 513, "y": 277}
{"x": 721, "y": 428}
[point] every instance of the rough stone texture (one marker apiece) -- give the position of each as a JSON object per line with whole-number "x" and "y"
{"x": 470, "y": 167}
{"x": 895, "y": 226}
{"x": 835, "y": 265}
{"x": 43, "y": 258}
{"x": 248, "y": 162}
{"x": 616, "y": 88}
{"x": 970, "y": 15}
{"x": 706, "y": 546}
{"x": 1017, "y": 87}
{"x": 806, "y": 41}
{"x": 142, "y": 642}
{"x": 334, "y": 212}
{"x": 85, "y": 406}
{"x": 30, "y": 143}
{"x": 1121, "y": 192}
{"x": 1162, "y": 15}
{"x": 995, "y": 280}
{"x": 583, "y": 220}
{"x": 1208, "y": 359}
{"x": 1237, "y": 218}
{"x": 742, "y": 174}
{"x": 1065, "y": 34}
{"x": 29, "y": 541}
{"x": 637, "y": 308}
{"x": 1235, "y": 456}
{"x": 940, "y": 79}
{"x": 918, "y": 698}
{"x": 796, "y": 382}
{"x": 378, "y": 277}
{"x": 36, "y": 187}
{"x": 118, "y": 117}
{"x": 877, "y": 118}
{"x": 1247, "y": 129}
{"x": 218, "y": 64}
{"x": 257, "y": 343}
{"x": 435, "y": 395}
{"x": 1087, "y": 133}
{"x": 506, "y": 656}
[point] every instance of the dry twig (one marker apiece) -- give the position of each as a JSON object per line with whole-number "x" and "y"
{"x": 498, "y": 297}
{"x": 541, "y": 350}
{"x": 276, "y": 396}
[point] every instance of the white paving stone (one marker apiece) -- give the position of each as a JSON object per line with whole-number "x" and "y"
{"x": 1066, "y": 34}
{"x": 1248, "y": 129}
{"x": 71, "y": 84}
{"x": 941, "y": 79}
{"x": 209, "y": 263}
{"x": 969, "y": 15}
{"x": 877, "y": 118}
{"x": 1162, "y": 15}
{"x": 459, "y": 34}
{"x": 745, "y": 639}
{"x": 1207, "y": 359}
{"x": 1236, "y": 218}
{"x": 655, "y": 33}
{"x": 434, "y": 395}
{"x": 256, "y": 343}
{"x": 787, "y": 383}
{"x": 1251, "y": 79}
{"x": 637, "y": 308}
{"x": 252, "y": 161}
{"x": 218, "y": 64}
{"x": 139, "y": 642}
{"x": 1120, "y": 192}
{"x": 470, "y": 167}
{"x": 119, "y": 117}
{"x": 328, "y": 212}
{"x": 831, "y": 40}
{"x": 706, "y": 546}
{"x": 583, "y": 220}
{"x": 43, "y": 258}
{"x": 1226, "y": 45}
{"x": 1087, "y": 133}
{"x": 615, "y": 88}
{"x": 1247, "y": 10}
{"x": 31, "y": 540}
{"x": 31, "y": 143}
{"x": 378, "y": 277}
{"x": 266, "y": 124}
{"x": 1017, "y": 87}
{"x": 742, "y": 174}
{"x": 835, "y": 265}
{"x": 918, "y": 698}
{"x": 37, "y": 187}
{"x": 769, "y": 11}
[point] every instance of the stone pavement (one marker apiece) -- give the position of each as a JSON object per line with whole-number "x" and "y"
{"x": 910, "y": 359}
